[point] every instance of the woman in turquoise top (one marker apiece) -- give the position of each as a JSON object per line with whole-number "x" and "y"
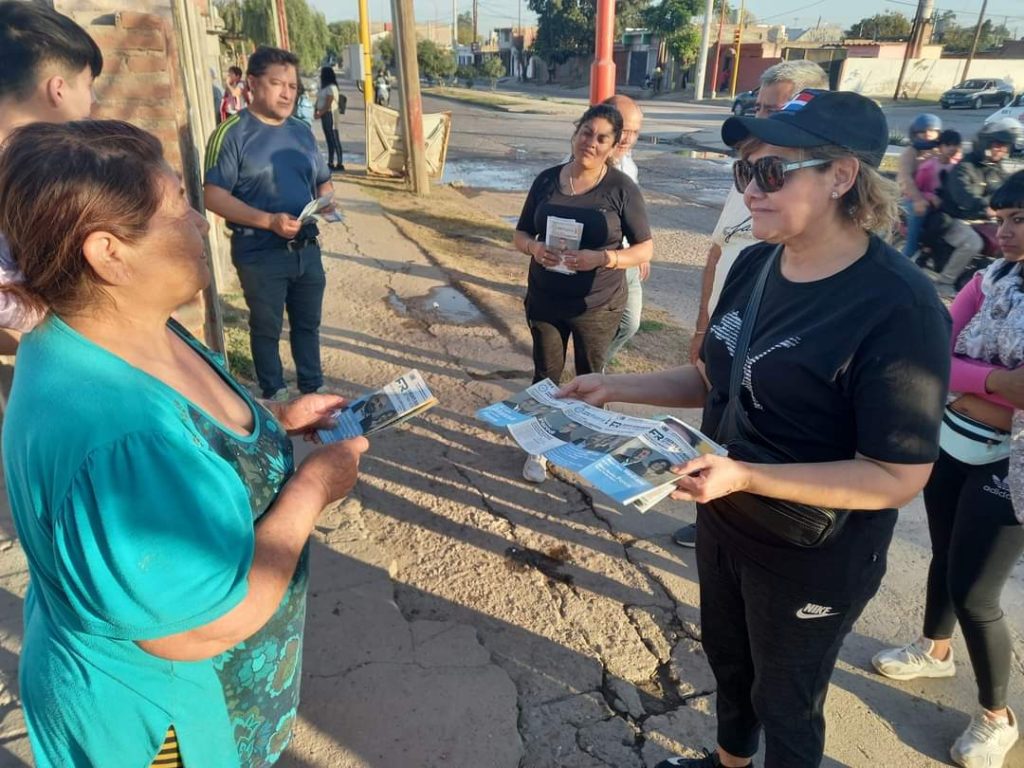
{"x": 164, "y": 521}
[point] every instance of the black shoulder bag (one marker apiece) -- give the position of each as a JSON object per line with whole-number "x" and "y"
{"x": 801, "y": 525}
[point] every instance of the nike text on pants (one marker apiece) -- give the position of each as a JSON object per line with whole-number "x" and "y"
{"x": 772, "y": 645}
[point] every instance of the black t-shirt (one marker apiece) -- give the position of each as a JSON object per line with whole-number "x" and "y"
{"x": 855, "y": 363}
{"x": 612, "y": 209}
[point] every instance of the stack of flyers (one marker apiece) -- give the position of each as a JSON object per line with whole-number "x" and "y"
{"x": 563, "y": 235}
{"x": 628, "y": 458}
{"x": 314, "y": 210}
{"x": 399, "y": 401}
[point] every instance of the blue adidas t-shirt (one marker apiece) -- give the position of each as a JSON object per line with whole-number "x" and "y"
{"x": 274, "y": 168}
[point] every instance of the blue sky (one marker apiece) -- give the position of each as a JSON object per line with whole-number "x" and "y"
{"x": 793, "y": 13}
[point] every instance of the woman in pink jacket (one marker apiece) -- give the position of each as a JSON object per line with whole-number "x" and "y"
{"x": 976, "y": 537}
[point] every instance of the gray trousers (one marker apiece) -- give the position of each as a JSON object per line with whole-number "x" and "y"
{"x": 966, "y": 245}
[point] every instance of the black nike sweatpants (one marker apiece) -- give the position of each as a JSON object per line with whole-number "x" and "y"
{"x": 772, "y": 645}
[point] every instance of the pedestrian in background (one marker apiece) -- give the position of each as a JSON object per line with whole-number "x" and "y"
{"x": 826, "y": 368}
{"x": 262, "y": 168}
{"x": 622, "y": 158}
{"x": 328, "y": 111}
{"x": 976, "y": 536}
{"x": 165, "y": 525}
{"x": 48, "y": 65}
{"x": 732, "y": 233}
{"x": 585, "y": 300}
{"x": 236, "y": 94}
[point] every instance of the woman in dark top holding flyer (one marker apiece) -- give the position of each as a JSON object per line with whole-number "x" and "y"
{"x": 831, "y": 419}
{"x": 579, "y": 290}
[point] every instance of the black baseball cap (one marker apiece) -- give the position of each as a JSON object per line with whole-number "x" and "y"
{"x": 816, "y": 118}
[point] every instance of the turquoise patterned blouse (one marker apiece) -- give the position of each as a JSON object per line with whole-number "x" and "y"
{"x": 137, "y": 513}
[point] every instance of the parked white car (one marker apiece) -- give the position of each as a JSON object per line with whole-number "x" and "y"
{"x": 1014, "y": 109}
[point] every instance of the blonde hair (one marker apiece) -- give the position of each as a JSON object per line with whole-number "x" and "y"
{"x": 872, "y": 203}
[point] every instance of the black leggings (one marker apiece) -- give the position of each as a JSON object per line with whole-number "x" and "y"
{"x": 591, "y": 333}
{"x": 976, "y": 540}
{"x": 331, "y": 137}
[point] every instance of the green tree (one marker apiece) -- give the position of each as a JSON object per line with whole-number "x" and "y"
{"x": 465, "y": 28}
{"x": 434, "y": 60}
{"x": 384, "y": 51}
{"x": 492, "y": 68}
{"x": 670, "y": 19}
{"x": 343, "y": 34}
{"x": 957, "y": 39}
{"x": 307, "y": 29}
{"x": 891, "y": 25}
{"x": 565, "y": 28}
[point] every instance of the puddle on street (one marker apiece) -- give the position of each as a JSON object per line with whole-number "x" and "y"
{"x": 483, "y": 174}
{"x": 701, "y": 154}
{"x": 443, "y": 304}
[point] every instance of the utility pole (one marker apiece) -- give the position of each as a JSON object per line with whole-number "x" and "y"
{"x": 718, "y": 52}
{"x": 476, "y": 17}
{"x": 602, "y": 71}
{"x": 705, "y": 43}
{"x": 281, "y": 25}
{"x": 455, "y": 29}
{"x": 736, "y": 55}
{"x": 974, "y": 43}
{"x": 364, "y": 40}
{"x": 912, "y": 50}
{"x": 412, "y": 105}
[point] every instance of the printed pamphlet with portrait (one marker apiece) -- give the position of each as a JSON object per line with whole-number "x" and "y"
{"x": 563, "y": 235}
{"x": 625, "y": 457}
{"x": 314, "y": 210}
{"x": 399, "y": 401}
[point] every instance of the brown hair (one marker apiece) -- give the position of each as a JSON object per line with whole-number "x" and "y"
{"x": 872, "y": 203}
{"x": 59, "y": 183}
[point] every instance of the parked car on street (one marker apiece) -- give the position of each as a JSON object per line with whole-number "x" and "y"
{"x": 745, "y": 103}
{"x": 976, "y": 93}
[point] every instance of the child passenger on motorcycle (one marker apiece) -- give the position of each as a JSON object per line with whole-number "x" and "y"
{"x": 930, "y": 172}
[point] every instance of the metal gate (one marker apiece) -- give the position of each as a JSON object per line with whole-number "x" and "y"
{"x": 385, "y": 152}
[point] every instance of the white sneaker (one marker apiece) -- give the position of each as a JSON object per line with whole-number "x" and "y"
{"x": 535, "y": 469}
{"x": 912, "y": 661}
{"x": 986, "y": 741}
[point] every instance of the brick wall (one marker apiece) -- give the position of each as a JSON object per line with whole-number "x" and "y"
{"x": 141, "y": 84}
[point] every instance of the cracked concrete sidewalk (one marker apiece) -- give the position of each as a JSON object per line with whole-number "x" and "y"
{"x": 432, "y": 640}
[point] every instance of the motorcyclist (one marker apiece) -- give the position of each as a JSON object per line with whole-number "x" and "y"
{"x": 382, "y": 89}
{"x": 924, "y": 133}
{"x": 966, "y": 193}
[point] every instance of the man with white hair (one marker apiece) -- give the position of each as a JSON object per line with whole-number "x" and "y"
{"x": 622, "y": 157}
{"x": 732, "y": 234}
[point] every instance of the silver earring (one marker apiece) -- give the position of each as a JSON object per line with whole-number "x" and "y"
{"x": 835, "y": 195}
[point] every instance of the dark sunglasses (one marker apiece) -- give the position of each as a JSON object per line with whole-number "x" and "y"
{"x": 769, "y": 172}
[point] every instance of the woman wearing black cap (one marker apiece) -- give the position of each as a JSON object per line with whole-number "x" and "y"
{"x": 831, "y": 418}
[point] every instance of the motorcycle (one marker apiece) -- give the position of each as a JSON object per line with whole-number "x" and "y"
{"x": 381, "y": 92}
{"x": 933, "y": 251}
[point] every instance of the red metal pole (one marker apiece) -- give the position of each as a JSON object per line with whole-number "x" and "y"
{"x": 602, "y": 71}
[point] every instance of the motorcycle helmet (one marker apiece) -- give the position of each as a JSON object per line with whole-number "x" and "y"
{"x": 920, "y": 124}
{"x": 1005, "y": 130}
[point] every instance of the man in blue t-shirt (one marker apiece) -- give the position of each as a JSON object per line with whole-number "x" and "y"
{"x": 262, "y": 168}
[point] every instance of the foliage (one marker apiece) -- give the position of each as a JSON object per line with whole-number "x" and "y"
{"x": 343, "y": 34}
{"x": 670, "y": 19}
{"x": 891, "y": 25}
{"x": 955, "y": 38}
{"x": 384, "y": 51}
{"x": 467, "y": 74}
{"x": 492, "y": 68}
{"x": 434, "y": 60}
{"x": 465, "y": 28}
{"x": 307, "y": 29}
{"x": 565, "y": 28}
